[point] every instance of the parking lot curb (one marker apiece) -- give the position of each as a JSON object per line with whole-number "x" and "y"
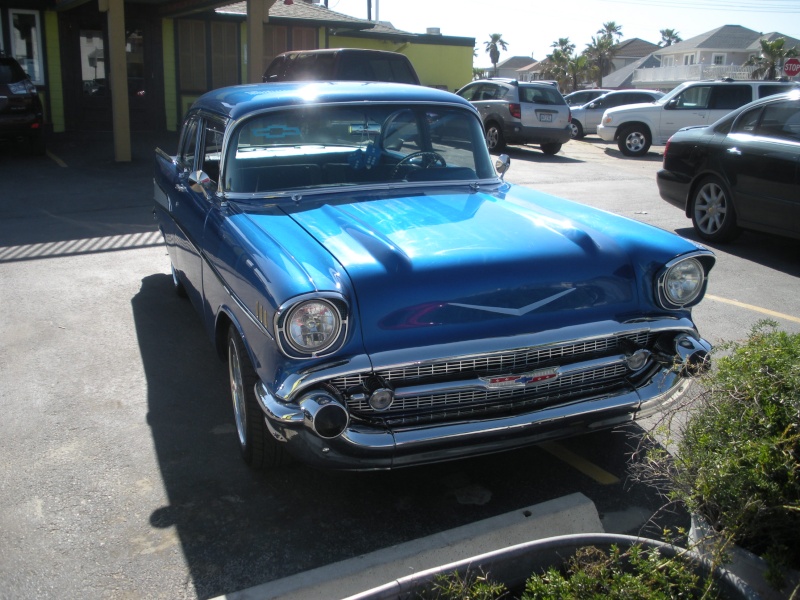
{"x": 574, "y": 513}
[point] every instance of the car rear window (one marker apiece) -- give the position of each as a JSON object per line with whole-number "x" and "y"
{"x": 540, "y": 95}
{"x": 356, "y": 68}
{"x": 770, "y": 90}
{"x": 11, "y": 72}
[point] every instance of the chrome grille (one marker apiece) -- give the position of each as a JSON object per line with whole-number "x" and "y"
{"x": 447, "y": 404}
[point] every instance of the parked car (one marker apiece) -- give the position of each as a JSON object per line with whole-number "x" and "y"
{"x": 21, "y": 114}
{"x": 636, "y": 127}
{"x": 341, "y": 64}
{"x": 742, "y": 172}
{"x": 520, "y": 113}
{"x": 383, "y": 298}
{"x": 581, "y": 97}
{"x": 587, "y": 117}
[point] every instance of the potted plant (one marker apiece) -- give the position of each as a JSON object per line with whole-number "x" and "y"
{"x": 572, "y": 566}
{"x": 736, "y": 459}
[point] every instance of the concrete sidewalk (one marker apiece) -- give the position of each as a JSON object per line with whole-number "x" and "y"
{"x": 570, "y": 514}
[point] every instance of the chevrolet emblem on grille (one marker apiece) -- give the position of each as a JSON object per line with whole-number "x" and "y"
{"x": 522, "y": 380}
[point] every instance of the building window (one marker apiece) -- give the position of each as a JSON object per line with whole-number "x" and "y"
{"x": 668, "y": 61}
{"x": 688, "y": 59}
{"x": 718, "y": 59}
{"x": 26, "y": 42}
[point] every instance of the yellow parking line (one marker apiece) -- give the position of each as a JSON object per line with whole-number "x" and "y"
{"x": 758, "y": 309}
{"x": 581, "y": 464}
{"x": 56, "y": 160}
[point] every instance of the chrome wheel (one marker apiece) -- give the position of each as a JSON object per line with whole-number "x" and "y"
{"x": 633, "y": 141}
{"x": 237, "y": 392}
{"x": 713, "y": 215}
{"x": 575, "y": 130}
{"x": 494, "y": 138}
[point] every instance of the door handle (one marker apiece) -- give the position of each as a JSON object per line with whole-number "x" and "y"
{"x": 735, "y": 151}
{"x": 180, "y": 187}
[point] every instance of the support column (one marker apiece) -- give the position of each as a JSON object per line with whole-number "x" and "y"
{"x": 257, "y": 17}
{"x": 117, "y": 66}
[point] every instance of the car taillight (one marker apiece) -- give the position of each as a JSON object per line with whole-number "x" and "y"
{"x": 515, "y": 110}
{"x": 666, "y": 148}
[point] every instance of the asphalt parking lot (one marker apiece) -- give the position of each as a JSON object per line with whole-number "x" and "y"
{"x": 119, "y": 472}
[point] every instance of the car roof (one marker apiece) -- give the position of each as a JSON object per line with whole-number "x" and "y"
{"x": 237, "y": 101}
{"x": 340, "y": 51}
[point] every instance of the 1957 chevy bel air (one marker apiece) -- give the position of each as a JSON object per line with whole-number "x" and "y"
{"x": 384, "y": 298}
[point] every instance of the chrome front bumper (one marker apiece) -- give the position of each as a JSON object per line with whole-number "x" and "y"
{"x": 366, "y": 447}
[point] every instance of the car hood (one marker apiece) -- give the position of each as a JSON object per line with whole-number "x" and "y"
{"x": 449, "y": 267}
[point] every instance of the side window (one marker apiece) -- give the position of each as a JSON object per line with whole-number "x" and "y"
{"x": 694, "y": 98}
{"x": 468, "y": 92}
{"x": 747, "y": 121}
{"x": 188, "y": 148}
{"x": 781, "y": 120}
{"x": 212, "y": 148}
{"x": 728, "y": 97}
{"x": 769, "y": 90}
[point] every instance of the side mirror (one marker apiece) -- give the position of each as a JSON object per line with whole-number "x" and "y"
{"x": 595, "y": 105}
{"x": 200, "y": 183}
{"x": 672, "y": 104}
{"x": 502, "y": 164}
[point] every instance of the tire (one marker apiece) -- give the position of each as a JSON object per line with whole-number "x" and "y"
{"x": 494, "y": 138}
{"x": 634, "y": 140}
{"x": 551, "y": 148}
{"x": 256, "y": 444}
{"x": 576, "y": 130}
{"x": 713, "y": 214}
{"x": 180, "y": 290}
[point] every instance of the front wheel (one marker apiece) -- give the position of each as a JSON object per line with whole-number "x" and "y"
{"x": 259, "y": 449}
{"x": 713, "y": 215}
{"x": 575, "y": 130}
{"x": 551, "y": 148}
{"x": 634, "y": 140}
{"x": 494, "y": 138}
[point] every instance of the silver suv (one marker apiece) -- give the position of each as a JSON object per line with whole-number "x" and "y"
{"x": 516, "y": 112}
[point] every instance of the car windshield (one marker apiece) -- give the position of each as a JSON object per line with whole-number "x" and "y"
{"x": 322, "y": 146}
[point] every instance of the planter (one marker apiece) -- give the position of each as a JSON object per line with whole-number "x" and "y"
{"x": 744, "y": 564}
{"x": 513, "y": 565}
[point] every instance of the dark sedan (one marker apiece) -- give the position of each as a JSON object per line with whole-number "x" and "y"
{"x": 742, "y": 172}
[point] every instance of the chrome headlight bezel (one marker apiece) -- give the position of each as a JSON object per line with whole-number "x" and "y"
{"x": 330, "y": 328}
{"x": 683, "y": 281}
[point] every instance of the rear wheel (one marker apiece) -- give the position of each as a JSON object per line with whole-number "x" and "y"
{"x": 494, "y": 138}
{"x": 259, "y": 449}
{"x": 634, "y": 140}
{"x": 551, "y": 148}
{"x": 575, "y": 130}
{"x": 713, "y": 215}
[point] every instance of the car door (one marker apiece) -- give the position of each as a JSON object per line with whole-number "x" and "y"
{"x": 688, "y": 108}
{"x": 192, "y": 203}
{"x": 762, "y": 162}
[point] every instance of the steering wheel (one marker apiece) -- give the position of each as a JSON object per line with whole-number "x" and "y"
{"x": 428, "y": 159}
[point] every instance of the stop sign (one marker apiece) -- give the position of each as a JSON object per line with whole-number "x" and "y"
{"x": 792, "y": 67}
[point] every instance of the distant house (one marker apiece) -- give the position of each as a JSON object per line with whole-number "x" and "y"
{"x": 631, "y": 51}
{"x": 718, "y": 53}
{"x": 509, "y": 67}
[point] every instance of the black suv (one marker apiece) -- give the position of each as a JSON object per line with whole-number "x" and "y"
{"x": 515, "y": 112}
{"x": 21, "y": 115}
{"x": 341, "y": 64}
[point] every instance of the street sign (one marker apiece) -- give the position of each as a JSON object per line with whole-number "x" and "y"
{"x": 791, "y": 67}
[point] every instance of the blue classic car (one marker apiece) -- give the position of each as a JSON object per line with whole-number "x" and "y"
{"x": 384, "y": 298}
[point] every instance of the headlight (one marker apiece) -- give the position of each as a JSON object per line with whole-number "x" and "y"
{"x": 683, "y": 283}
{"x": 312, "y": 326}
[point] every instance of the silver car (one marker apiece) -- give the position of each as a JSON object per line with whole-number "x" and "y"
{"x": 516, "y": 112}
{"x": 586, "y": 118}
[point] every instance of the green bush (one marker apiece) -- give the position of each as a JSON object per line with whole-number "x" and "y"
{"x": 738, "y": 461}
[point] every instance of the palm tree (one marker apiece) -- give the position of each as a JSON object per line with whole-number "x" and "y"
{"x": 557, "y": 63}
{"x": 493, "y": 47}
{"x": 611, "y": 30}
{"x": 669, "y": 37}
{"x": 601, "y": 52}
{"x": 564, "y": 45}
{"x": 578, "y": 69}
{"x": 771, "y": 59}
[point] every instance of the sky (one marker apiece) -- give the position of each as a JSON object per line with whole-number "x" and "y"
{"x": 530, "y": 27}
